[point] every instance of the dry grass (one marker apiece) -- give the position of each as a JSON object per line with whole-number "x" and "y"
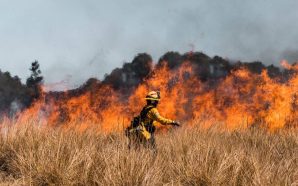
{"x": 31, "y": 155}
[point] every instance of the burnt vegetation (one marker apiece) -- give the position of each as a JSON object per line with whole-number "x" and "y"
{"x": 15, "y": 96}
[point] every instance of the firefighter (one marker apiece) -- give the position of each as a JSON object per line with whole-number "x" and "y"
{"x": 142, "y": 127}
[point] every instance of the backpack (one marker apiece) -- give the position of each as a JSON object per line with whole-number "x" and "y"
{"x": 137, "y": 127}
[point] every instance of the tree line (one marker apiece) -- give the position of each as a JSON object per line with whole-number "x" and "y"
{"x": 15, "y": 96}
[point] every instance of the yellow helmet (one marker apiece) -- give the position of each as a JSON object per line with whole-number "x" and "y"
{"x": 153, "y": 95}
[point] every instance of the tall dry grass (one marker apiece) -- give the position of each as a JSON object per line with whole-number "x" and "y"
{"x": 33, "y": 155}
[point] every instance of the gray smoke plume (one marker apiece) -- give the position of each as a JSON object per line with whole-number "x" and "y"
{"x": 74, "y": 40}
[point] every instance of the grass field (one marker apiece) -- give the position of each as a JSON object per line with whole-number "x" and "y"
{"x": 31, "y": 155}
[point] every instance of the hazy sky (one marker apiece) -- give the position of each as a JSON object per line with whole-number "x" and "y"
{"x": 77, "y": 39}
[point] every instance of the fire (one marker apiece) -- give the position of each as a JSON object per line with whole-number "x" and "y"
{"x": 239, "y": 100}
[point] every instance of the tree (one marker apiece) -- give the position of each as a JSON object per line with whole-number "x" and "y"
{"x": 35, "y": 81}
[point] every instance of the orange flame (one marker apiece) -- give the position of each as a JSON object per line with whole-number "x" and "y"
{"x": 240, "y": 100}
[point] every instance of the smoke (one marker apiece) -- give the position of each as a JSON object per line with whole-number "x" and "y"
{"x": 79, "y": 39}
{"x": 189, "y": 81}
{"x": 290, "y": 55}
{"x": 194, "y": 86}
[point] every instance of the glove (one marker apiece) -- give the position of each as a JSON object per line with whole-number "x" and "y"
{"x": 176, "y": 123}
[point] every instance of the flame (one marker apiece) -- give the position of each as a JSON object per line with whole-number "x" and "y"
{"x": 288, "y": 66}
{"x": 240, "y": 100}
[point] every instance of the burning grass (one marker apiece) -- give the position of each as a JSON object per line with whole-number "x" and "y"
{"x": 239, "y": 99}
{"x": 31, "y": 154}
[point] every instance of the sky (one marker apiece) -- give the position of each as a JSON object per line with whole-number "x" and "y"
{"x": 77, "y": 39}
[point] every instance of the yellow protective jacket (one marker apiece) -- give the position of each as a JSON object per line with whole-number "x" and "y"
{"x": 152, "y": 116}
